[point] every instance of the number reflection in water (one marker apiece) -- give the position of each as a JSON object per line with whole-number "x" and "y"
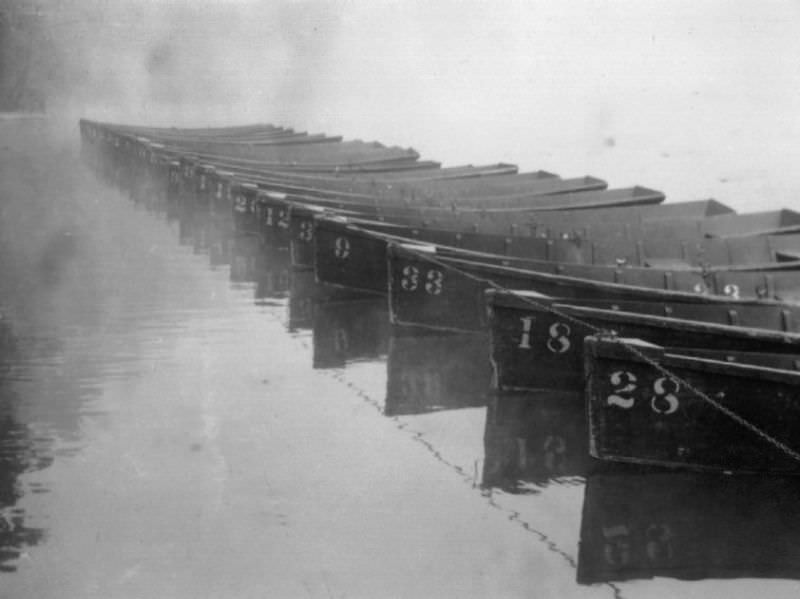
{"x": 640, "y": 523}
{"x": 428, "y": 372}
{"x": 349, "y": 330}
{"x": 207, "y": 232}
{"x": 533, "y": 439}
{"x": 632, "y": 524}
{"x": 530, "y": 450}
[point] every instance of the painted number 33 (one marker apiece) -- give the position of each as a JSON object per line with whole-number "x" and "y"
{"x": 410, "y": 280}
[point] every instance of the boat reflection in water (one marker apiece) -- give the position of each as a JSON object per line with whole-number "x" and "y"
{"x": 19, "y": 453}
{"x": 221, "y": 237}
{"x": 640, "y": 523}
{"x": 17, "y": 456}
{"x": 533, "y": 439}
{"x": 637, "y": 523}
{"x": 271, "y": 273}
{"x": 349, "y": 330}
{"x": 425, "y": 371}
{"x": 252, "y": 262}
{"x": 208, "y": 233}
{"x": 303, "y": 293}
{"x": 247, "y": 256}
{"x": 429, "y": 372}
{"x": 306, "y": 294}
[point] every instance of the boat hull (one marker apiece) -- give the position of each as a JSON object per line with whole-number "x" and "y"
{"x": 678, "y": 413}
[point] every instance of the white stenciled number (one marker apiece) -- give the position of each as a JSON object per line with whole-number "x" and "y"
{"x": 554, "y": 450}
{"x": 731, "y": 290}
{"x": 433, "y": 285}
{"x": 219, "y": 191}
{"x": 306, "y": 230}
{"x": 340, "y": 340}
{"x": 617, "y": 549}
{"x": 525, "y": 341}
{"x": 664, "y": 400}
{"x": 341, "y": 248}
{"x": 410, "y": 279}
{"x": 268, "y": 216}
{"x": 624, "y": 384}
{"x": 558, "y": 342}
{"x": 241, "y": 203}
{"x": 659, "y": 543}
{"x": 283, "y": 219}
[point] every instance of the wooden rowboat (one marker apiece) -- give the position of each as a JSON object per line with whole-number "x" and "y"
{"x": 537, "y": 341}
{"x": 539, "y": 188}
{"x": 351, "y": 253}
{"x": 648, "y": 405}
{"x": 446, "y": 293}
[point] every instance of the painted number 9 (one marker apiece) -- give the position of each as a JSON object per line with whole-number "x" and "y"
{"x": 341, "y": 248}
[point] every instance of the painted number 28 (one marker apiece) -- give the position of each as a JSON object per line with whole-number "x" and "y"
{"x": 663, "y": 400}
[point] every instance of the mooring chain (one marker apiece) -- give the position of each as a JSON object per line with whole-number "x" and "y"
{"x": 632, "y": 349}
{"x": 705, "y": 397}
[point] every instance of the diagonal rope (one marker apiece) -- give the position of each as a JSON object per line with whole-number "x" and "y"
{"x": 795, "y": 455}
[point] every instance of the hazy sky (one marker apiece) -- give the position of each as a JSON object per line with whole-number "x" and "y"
{"x": 615, "y": 88}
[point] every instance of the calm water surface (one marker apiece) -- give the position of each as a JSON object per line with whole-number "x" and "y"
{"x": 182, "y": 416}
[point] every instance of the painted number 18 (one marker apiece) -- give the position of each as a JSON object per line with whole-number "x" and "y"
{"x": 557, "y": 336}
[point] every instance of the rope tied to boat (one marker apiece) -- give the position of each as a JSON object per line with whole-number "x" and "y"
{"x": 789, "y": 451}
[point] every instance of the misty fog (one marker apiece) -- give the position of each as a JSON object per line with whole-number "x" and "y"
{"x": 696, "y": 99}
{"x": 191, "y": 450}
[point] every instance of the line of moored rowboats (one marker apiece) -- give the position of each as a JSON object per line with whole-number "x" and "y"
{"x": 678, "y": 322}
